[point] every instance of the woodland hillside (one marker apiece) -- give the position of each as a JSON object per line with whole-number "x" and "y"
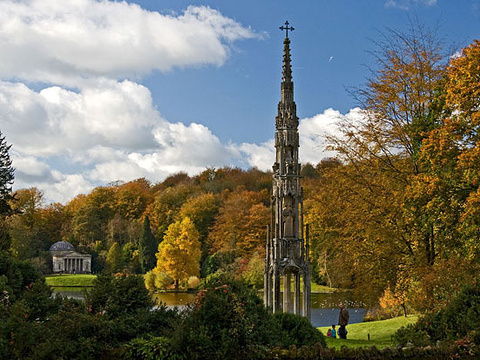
{"x": 394, "y": 217}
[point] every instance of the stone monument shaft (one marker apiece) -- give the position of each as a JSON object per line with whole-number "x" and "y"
{"x": 287, "y": 250}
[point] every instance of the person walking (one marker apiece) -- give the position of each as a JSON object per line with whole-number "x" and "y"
{"x": 343, "y": 318}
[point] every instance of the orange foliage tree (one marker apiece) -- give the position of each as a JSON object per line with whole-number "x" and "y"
{"x": 241, "y": 223}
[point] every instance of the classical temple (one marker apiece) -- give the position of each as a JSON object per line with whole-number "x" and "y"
{"x": 66, "y": 260}
{"x": 287, "y": 250}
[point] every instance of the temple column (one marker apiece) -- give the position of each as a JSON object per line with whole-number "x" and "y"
{"x": 296, "y": 300}
{"x": 268, "y": 288}
{"x": 276, "y": 291}
{"x": 287, "y": 292}
{"x": 306, "y": 295}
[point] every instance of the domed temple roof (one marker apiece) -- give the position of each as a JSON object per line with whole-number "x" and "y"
{"x": 62, "y": 246}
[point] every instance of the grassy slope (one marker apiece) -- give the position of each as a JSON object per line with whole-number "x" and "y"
{"x": 70, "y": 280}
{"x": 314, "y": 288}
{"x": 380, "y": 333}
{"x": 322, "y": 288}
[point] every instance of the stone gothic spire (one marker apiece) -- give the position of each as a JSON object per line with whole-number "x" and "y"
{"x": 287, "y": 249}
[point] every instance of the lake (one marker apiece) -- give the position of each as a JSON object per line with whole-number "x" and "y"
{"x": 324, "y": 305}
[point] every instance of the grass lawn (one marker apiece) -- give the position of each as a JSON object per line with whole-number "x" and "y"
{"x": 314, "y": 288}
{"x": 66, "y": 280}
{"x": 380, "y": 333}
{"x": 321, "y": 288}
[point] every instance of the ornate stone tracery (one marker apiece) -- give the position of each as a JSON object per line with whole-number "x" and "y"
{"x": 287, "y": 249}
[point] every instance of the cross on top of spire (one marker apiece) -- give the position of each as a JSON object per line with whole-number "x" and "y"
{"x": 286, "y": 28}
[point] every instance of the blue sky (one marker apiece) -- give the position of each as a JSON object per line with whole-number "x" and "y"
{"x": 330, "y": 47}
{"x": 97, "y": 91}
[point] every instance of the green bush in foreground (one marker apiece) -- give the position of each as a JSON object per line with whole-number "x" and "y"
{"x": 296, "y": 330}
{"x": 228, "y": 321}
{"x": 460, "y": 319}
{"x": 225, "y": 322}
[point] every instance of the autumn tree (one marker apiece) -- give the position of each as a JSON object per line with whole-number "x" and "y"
{"x": 201, "y": 210}
{"x": 450, "y": 187}
{"x": 166, "y": 205}
{"x": 53, "y": 219}
{"x": 380, "y": 147}
{"x": 179, "y": 252}
{"x": 132, "y": 198}
{"x": 147, "y": 247}
{"x": 122, "y": 230}
{"x": 27, "y": 238}
{"x": 241, "y": 223}
{"x": 459, "y": 144}
{"x": 230, "y": 178}
{"x": 90, "y": 220}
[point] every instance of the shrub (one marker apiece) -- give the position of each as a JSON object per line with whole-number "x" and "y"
{"x": 118, "y": 295}
{"x": 297, "y": 330}
{"x": 151, "y": 348}
{"x": 150, "y": 278}
{"x": 458, "y": 320}
{"x": 226, "y": 321}
{"x": 253, "y": 275}
{"x": 163, "y": 280}
{"x": 193, "y": 282}
{"x": 411, "y": 335}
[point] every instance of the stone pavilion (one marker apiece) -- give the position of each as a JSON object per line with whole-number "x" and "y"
{"x": 67, "y": 260}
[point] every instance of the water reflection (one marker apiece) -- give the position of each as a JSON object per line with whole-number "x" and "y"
{"x": 324, "y": 305}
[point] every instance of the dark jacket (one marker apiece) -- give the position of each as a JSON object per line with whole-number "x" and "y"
{"x": 343, "y": 317}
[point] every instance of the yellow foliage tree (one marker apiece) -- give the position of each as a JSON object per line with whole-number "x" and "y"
{"x": 179, "y": 252}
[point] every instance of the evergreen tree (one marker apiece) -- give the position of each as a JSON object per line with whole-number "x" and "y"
{"x": 114, "y": 258}
{"x": 6, "y": 176}
{"x": 147, "y": 247}
{"x": 6, "y": 181}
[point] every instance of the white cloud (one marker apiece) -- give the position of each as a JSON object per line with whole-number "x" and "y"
{"x": 312, "y": 135}
{"x": 261, "y": 156}
{"x": 107, "y": 131}
{"x": 312, "y": 131}
{"x": 74, "y": 144}
{"x": 65, "y": 188}
{"x": 91, "y": 124}
{"x": 62, "y": 42}
{"x": 406, "y": 4}
{"x": 55, "y": 120}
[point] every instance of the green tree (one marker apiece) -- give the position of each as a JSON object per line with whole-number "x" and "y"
{"x": 115, "y": 258}
{"x": 6, "y": 181}
{"x": 117, "y": 295}
{"x": 147, "y": 247}
{"x": 6, "y": 177}
{"x": 179, "y": 252}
